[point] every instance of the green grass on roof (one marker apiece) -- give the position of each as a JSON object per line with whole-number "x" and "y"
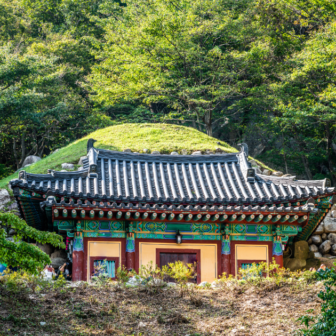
{"x": 164, "y": 138}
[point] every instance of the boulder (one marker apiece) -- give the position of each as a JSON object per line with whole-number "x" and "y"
{"x": 30, "y": 160}
{"x": 301, "y": 250}
{"x": 333, "y": 213}
{"x": 266, "y": 172}
{"x": 196, "y": 153}
{"x": 146, "y": 151}
{"x": 46, "y": 248}
{"x": 127, "y": 150}
{"x": 277, "y": 173}
{"x": 11, "y": 232}
{"x": 310, "y": 241}
{"x": 295, "y": 264}
{"x": 218, "y": 150}
{"x": 80, "y": 162}
{"x": 59, "y": 254}
{"x": 313, "y": 263}
{"x": 68, "y": 166}
{"x": 333, "y": 249}
{"x": 325, "y": 247}
{"x": 313, "y": 248}
{"x": 317, "y": 240}
{"x": 57, "y": 262}
{"x": 324, "y": 236}
{"x": 174, "y": 153}
{"x": 329, "y": 224}
{"x": 319, "y": 229}
{"x": 184, "y": 152}
{"x": 317, "y": 255}
{"x": 4, "y": 198}
{"x": 332, "y": 238}
{"x": 156, "y": 152}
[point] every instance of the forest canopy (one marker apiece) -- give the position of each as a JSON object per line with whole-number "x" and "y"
{"x": 257, "y": 71}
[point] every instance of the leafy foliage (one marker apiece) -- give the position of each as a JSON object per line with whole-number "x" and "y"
{"x": 22, "y": 254}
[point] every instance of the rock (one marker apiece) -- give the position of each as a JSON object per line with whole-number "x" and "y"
{"x": 313, "y": 248}
{"x": 324, "y": 236}
{"x": 4, "y": 198}
{"x": 319, "y": 229}
{"x": 219, "y": 150}
{"x": 57, "y": 262}
{"x": 325, "y": 247}
{"x": 127, "y": 150}
{"x": 317, "y": 240}
{"x": 196, "y": 153}
{"x": 310, "y": 241}
{"x": 174, "y": 153}
{"x": 266, "y": 172}
{"x": 332, "y": 238}
{"x": 327, "y": 255}
{"x": 80, "y": 162}
{"x": 313, "y": 263}
{"x": 59, "y": 254}
{"x": 142, "y": 325}
{"x": 204, "y": 284}
{"x": 184, "y": 152}
{"x": 80, "y": 168}
{"x": 317, "y": 255}
{"x": 146, "y": 151}
{"x": 258, "y": 150}
{"x": 46, "y": 248}
{"x": 333, "y": 249}
{"x": 295, "y": 264}
{"x": 333, "y": 214}
{"x": 301, "y": 250}
{"x": 156, "y": 152}
{"x": 30, "y": 160}
{"x": 208, "y": 152}
{"x": 63, "y": 170}
{"x": 329, "y": 224}
{"x": 277, "y": 173}
{"x": 11, "y": 232}
{"x": 68, "y": 166}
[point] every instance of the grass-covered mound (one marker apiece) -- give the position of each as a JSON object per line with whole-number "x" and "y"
{"x": 164, "y": 138}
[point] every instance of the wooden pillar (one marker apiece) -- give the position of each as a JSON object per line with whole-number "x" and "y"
{"x": 130, "y": 251}
{"x": 277, "y": 251}
{"x": 78, "y": 258}
{"x": 226, "y": 254}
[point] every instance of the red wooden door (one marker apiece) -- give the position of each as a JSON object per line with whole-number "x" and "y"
{"x": 187, "y": 258}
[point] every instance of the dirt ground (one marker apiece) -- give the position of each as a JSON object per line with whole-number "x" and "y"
{"x": 266, "y": 309}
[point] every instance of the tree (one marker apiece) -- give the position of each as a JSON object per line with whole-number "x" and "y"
{"x": 198, "y": 59}
{"x": 20, "y": 253}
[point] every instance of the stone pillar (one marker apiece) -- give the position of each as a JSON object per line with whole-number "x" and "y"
{"x": 130, "y": 251}
{"x": 277, "y": 251}
{"x": 78, "y": 258}
{"x": 226, "y": 254}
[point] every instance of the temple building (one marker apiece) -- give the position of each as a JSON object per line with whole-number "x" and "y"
{"x": 213, "y": 210}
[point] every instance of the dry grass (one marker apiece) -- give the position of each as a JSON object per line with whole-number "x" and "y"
{"x": 89, "y": 310}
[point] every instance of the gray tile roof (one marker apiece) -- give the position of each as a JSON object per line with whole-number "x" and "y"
{"x": 196, "y": 179}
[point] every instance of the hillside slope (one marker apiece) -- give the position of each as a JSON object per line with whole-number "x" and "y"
{"x": 164, "y": 138}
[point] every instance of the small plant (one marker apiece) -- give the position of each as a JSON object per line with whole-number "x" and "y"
{"x": 123, "y": 276}
{"x": 60, "y": 282}
{"x": 181, "y": 273}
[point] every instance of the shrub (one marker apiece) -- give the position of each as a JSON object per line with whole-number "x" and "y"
{"x": 325, "y": 323}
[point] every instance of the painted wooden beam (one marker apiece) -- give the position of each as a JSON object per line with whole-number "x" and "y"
{"x": 119, "y": 214}
{"x": 82, "y": 213}
{"x": 101, "y": 214}
{"x": 250, "y": 218}
{"x": 109, "y": 214}
{"x": 73, "y": 213}
{"x": 144, "y": 215}
{"x": 179, "y": 217}
{"x": 65, "y": 213}
{"x": 197, "y": 217}
{"x": 188, "y": 217}
{"x": 276, "y": 218}
{"x": 56, "y": 213}
{"x": 302, "y": 219}
{"x": 293, "y": 219}
{"x": 222, "y": 218}
{"x": 206, "y": 217}
{"x": 240, "y": 218}
{"x": 171, "y": 216}
{"x": 127, "y": 215}
{"x": 284, "y": 218}
{"x": 153, "y": 215}
{"x": 258, "y": 218}
{"x": 136, "y": 215}
{"x": 91, "y": 214}
{"x": 267, "y": 218}
{"x": 214, "y": 218}
{"x": 232, "y": 218}
{"x": 163, "y": 216}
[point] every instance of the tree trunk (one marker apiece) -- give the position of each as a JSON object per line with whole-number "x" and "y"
{"x": 208, "y": 122}
{"x": 306, "y": 167}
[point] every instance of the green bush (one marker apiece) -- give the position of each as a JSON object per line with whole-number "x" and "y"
{"x": 325, "y": 323}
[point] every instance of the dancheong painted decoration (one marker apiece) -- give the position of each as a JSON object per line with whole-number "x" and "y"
{"x": 130, "y": 209}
